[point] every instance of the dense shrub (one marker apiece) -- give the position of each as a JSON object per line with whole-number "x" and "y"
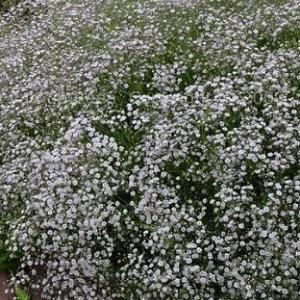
{"x": 150, "y": 149}
{"x": 5, "y": 5}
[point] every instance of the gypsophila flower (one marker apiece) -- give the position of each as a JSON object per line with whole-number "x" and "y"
{"x": 150, "y": 149}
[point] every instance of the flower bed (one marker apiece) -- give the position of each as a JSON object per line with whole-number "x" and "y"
{"x": 150, "y": 149}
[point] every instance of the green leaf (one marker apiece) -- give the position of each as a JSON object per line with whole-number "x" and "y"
{"x": 11, "y": 265}
{"x": 7, "y": 262}
{"x": 21, "y": 294}
{"x": 3, "y": 256}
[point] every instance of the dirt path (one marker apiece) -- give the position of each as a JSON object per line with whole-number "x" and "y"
{"x": 5, "y": 293}
{"x": 4, "y": 286}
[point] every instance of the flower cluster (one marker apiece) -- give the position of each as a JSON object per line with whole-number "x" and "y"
{"x": 150, "y": 149}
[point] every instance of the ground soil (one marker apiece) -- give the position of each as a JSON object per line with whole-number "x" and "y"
{"x": 4, "y": 288}
{"x": 5, "y": 293}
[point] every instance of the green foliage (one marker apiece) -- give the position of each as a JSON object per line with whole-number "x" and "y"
{"x": 6, "y": 4}
{"x": 288, "y": 38}
{"x": 7, "y": 262}
{"x": 21, "y": 294}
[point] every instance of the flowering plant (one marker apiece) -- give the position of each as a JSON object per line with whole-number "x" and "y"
{"x": 150, "y": 149}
